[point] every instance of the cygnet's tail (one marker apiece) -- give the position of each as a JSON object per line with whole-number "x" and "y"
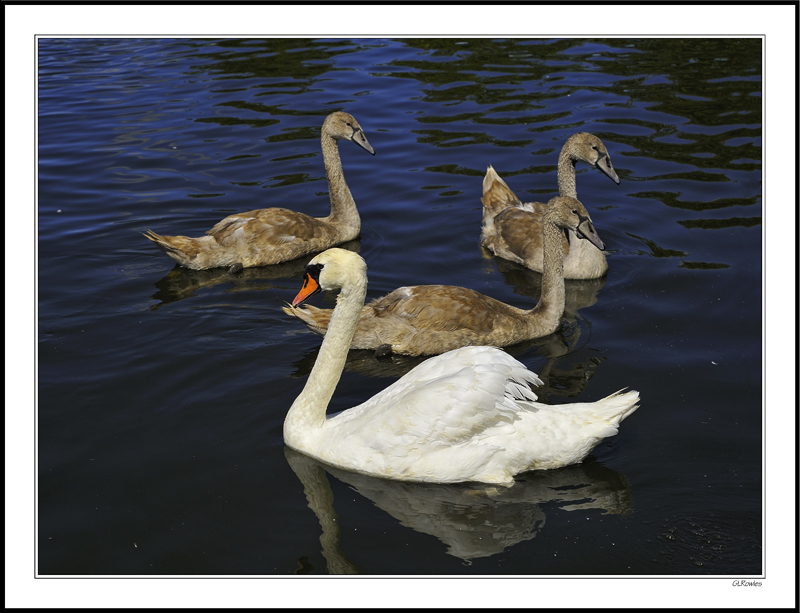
{"x": 182, "y": 249}
{"x": 497, "y": 195}
{"x": 315, "y": 318}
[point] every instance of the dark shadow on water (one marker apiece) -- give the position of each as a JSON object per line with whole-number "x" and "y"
{"x": 560, "y": 377}
{"x": 579, "y": 293}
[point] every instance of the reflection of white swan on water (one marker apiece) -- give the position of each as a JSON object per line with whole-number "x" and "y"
{"x": 320, "y": 499}
{"x": 472, "y": 520}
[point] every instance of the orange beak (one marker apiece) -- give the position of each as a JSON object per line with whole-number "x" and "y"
{"x": 310, "y": 287}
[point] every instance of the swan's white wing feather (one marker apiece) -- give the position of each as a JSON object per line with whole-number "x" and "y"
{"x": 450, "y": 399}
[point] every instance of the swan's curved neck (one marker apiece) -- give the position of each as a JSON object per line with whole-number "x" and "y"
{"x": 307, "y": 413}
{"x": 343, "y": 207}
{"x": 548, "y": 311}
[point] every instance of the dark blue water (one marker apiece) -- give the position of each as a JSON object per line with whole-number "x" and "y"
{"x": 162, "y": 391}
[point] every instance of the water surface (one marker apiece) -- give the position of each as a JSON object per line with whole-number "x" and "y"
{"x": 162, "y": 391}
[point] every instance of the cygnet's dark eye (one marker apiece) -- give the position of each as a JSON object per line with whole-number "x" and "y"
{"x": 575, "y": 211}
{"x": 594, "y": 147}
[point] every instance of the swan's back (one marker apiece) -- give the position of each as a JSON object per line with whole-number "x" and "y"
{"x": 466, "y": 415}
{"x": 474, "y": 388}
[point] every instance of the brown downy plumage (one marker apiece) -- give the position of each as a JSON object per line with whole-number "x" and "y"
{"x": 274, "y": 235}
{"x": 431, "y": 319}
{"x": 512, "y": 230}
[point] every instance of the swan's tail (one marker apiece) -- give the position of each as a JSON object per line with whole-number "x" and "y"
{"x": 612, "y": 409}
{"x": 574, "y": 429}
{"x": 604, "y": 416}
{"x": 497, "y": 195}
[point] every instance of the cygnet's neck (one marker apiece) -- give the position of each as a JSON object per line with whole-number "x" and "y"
{"x": 545, "y": 317}
{"x": 343, "y": 207}
{"x": 566, "y": 172}
{"x": 581, "y": 252}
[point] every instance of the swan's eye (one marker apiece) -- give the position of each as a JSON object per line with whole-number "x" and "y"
{"x": 594, "y": 147}
{"x": 574, "y": 211}
{"x": 314, "y": 269}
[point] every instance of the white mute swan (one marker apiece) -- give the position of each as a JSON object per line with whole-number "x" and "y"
{"x": 431, "y": 319}
{"x": 466, "y": 415}
{"x": 271, "y": 236}
{"x": 512, "y": 230}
